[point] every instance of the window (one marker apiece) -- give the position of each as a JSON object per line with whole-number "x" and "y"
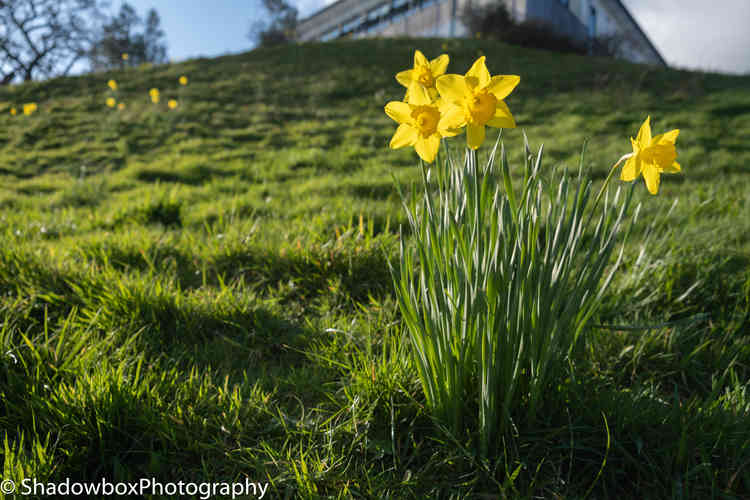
{"x": 351, "y": 25}
{"x": 376, "y": 16}
{"x": 399, "y": 8}
{"x": 330, "y": 35}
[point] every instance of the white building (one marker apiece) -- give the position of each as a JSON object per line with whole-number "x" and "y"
{"x": 581, "y": 20}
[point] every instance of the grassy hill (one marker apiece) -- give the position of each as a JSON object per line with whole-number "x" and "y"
{"x": 202, "y": 294}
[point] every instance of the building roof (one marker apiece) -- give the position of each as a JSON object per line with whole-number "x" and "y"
{"x": 617, "y": 3}
{"x": 640, "y": 30}
{"x": 324, "y": 9}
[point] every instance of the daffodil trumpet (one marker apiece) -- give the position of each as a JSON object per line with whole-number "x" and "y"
{"x": 475, "y": 100}
{"x": 652, "y": 156}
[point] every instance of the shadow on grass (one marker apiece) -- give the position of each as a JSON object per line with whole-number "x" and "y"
{"x": 194, "y": 175}
{"x": 661, "y": 445}
{"x": 302, "y": 274}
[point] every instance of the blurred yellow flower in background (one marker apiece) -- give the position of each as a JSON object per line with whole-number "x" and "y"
{"x": 476, "y": 100}
{"x": 183, "y": 80}
{"x": 125, "y": 56}
{"x": 121, "y": 106}
{"x": 29, "y": 108}
{"x": 651, "y": 157}
{"x": 172, "y": 104}
{"x": 13, "y": 111}
{"x": 154, "y": 93}
{"x": 112, "y": 84}
{"x": 111, "y": 102}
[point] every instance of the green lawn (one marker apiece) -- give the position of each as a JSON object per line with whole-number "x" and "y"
{"x": 203, "y": 294}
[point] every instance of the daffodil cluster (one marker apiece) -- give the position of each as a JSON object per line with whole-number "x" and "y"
{"x": 491, "y": 310}
{"x": 438, "y": 105}
{"x": 111, "y": 100}
{"x": 28, "y": 108}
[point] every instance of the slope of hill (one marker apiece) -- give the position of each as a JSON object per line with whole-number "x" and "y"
{"x": 202, "y": 294}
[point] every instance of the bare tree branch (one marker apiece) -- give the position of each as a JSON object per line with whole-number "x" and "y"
{"x": 44, "y": 38}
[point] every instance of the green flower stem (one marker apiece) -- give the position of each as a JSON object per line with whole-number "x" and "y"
{"x": 498, "y": 287}
{"x": 606, "y": 181}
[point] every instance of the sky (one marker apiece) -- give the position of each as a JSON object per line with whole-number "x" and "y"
{"x": 695, "y": 34}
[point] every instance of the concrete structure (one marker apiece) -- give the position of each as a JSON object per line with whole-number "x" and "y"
{"x": 581, "y": 20}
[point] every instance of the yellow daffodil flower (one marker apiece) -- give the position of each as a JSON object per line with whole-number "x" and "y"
{"x": 112, "y": 84}
{"x": 125, "y": 56}
{"x": 476, "y": 100}
{"x": 183, "y": 80}
{"x": 154, "y": 93}
{"x": 651, "y": 157}
{"x": 111, "y": 102}
{"x": 121, "y": 106}
{"x": 13, "y": 111}
{"x": 172, "y": 104}
{"x": 423, "y": 74}
{"x": 421, "y": 124}
{"x": 29, "y": 108}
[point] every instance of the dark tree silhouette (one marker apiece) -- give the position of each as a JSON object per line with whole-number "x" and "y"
{"x": 281, "y": 27}
{"x": 44, "y": 38}
{"x": 120, "y": 35}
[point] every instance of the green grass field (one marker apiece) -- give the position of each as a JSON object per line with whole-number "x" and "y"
{"x": 203, "y": 294}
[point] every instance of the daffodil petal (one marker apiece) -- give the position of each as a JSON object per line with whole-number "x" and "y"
{"x": 452, "y": 118}
{"x": 636, "y": 146}
{"x": 661, "y": 154}
{"x": 452, "y": 87}
{"x": 631, "y": 169}
{"x": 400, "y": 112}
{"x": 479, "y": 72}
{"x": 474, "y": 135}
{"x": 666, "y": 138}
{"x": 644, "y": 134}
{"x": 502, "y": 122}
{"x": 405, "y": 77}
{"x": 420, "y": 59}
{"x": 449, "y": 132}
{"x": 502, "y": 85}
{"x": 405, "y": 135}
{"x": 673, "y": 168}
{"x": 418, "y": 95}
{"x": 427, "y": 147}
{"x": 502, "y": 118}
{"x": 439, "y": 65}
{"x": 651, "y": 176}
